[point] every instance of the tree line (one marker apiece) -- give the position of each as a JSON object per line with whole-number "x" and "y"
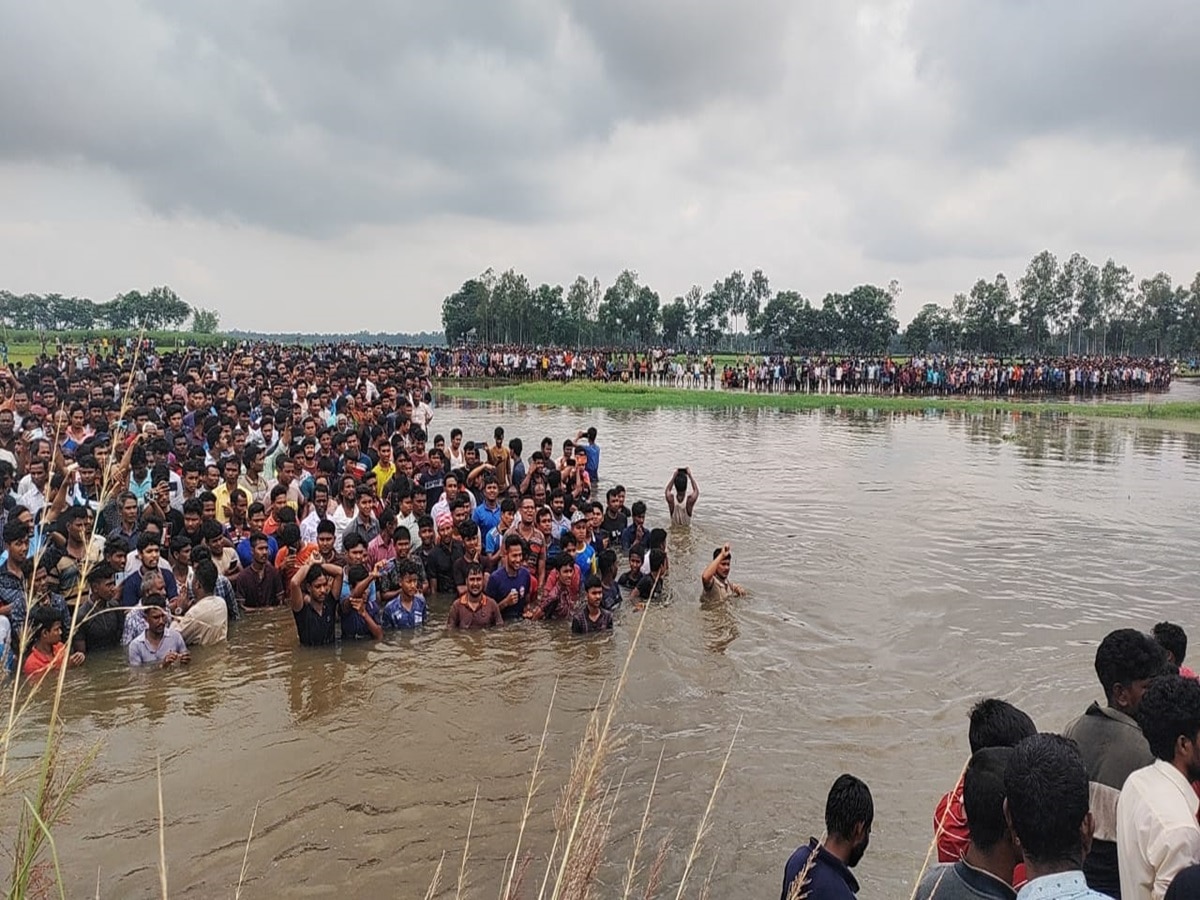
{"x": 157, "y": 309}
{"x": 1065, "y": 307}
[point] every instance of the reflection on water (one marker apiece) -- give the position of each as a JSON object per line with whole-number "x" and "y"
{"x": 900, "y": 565}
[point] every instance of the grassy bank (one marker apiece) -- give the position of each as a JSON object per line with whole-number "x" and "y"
{"x": 621, "y": 396}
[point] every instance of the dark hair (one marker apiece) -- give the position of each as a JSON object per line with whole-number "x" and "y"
{"x": 680, "y": 481}
{"x": 206, "y": 575}
{"x": 513, "y": 540}
{"x": 101, "y": 571}
{"x": 1170, "y": 708}
{"x": 997, "y": 723}
{"x": 1046, "y": 786}
{"x": 288, "y": 535}
{"x": 638, "y": 508}
{"x": 258, "y": 538}
{"x": 983, "y": 796}
{"x": 356, "y": 573}
{"x": 352, "y": 540}
{"x": 146, "y": 539}
{"x": 15, "y": 530}
{"x": 849, "y": 805}
{"x": 1126, "y": 656}
{"x": 657, "y": 558}
{"x": 468, "y": 530}
{"x": 1173, "y": 639}
{"x": 593, "y": 581}
{"x": 657, "y": 539}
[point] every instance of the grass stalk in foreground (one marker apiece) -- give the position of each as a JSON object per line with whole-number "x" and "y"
{"x": 633, "y": 397}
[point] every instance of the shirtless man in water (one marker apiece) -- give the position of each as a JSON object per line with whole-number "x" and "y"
{"x": 715, "y": 578}
{"x": 680, "y": 500}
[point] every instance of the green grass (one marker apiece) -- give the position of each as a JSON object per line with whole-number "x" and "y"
{"x": 25, "y": 347}
{"x": 622, "y": 396}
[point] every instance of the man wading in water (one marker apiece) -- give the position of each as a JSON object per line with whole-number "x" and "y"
{"x": 715, "y": 578}
{"x": 681, "y": 502}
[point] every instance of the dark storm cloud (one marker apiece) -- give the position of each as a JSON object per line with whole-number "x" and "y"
{"x": 1105, "y": 69}
{"x": 304, "y": 117}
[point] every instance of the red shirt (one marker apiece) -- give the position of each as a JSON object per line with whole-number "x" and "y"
{"x": 950, "y": 826}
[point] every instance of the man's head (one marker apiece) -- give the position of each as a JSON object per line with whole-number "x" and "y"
{"x": 849, "y": 812}
{"x": 1126, "y": 660}
{"x": 997, "y": 723}
{"x": 514, "y": 552}
{"x": 260, "y": 548}
{"x": 983, "y": 797}
{"x": 149, "y": 551}
{"x": 1170, "y": 718}
{"x": 1046, "y": 802}
{"x": 1173, "y": 639}
{"x": 474, "y": 581}
{"x": 102, "y": 582}
{"x": 595, "y": 591}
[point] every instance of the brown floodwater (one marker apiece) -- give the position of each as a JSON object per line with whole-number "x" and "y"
{"x": 900, "y": 566}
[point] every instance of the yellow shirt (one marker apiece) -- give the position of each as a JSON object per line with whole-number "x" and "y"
{"x": 383, "y": 476}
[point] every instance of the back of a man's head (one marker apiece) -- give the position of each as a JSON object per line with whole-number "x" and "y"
{"x": 983, "y": 796}
{"x": 1126, "y": 656}
{"x": 1046, "y": 791}
{"x": 1170, "y": 709}
{"x": 997, "y": 723}
{"x": 848, "y": 805}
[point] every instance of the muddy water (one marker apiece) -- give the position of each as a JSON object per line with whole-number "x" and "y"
{"x": 900, "y": 566}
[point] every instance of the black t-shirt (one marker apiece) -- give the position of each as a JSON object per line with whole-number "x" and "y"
{"x": 647, "y": 589}
{"x": 460, "y": 570}
{"x": 614, "y": 527}
{"x": 440, "y": 565}
{"x": 316, "y": 628}
{"x": 100, "y": 629}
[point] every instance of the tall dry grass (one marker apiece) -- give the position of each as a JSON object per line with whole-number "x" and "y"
{"x": 46, "y": 789}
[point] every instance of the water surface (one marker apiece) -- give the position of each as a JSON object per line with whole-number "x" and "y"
{"x": 901, "y": 565}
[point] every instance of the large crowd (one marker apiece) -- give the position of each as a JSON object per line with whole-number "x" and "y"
{"x": 937, "y": 375}
{"x": 151, "y": 499}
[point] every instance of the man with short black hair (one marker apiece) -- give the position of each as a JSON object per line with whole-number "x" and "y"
{"x": 849, "y": 812}
{"x": 1046, "y": 807}
{"x": 993, "y": 723}
{"x": 1157, "y": 832}
{"x": 986, "y": 868}
{"x": 1112, "y": 744}
{"x": 1173, "y": 639}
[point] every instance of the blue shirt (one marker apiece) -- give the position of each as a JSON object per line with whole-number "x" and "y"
{"x": 485, "y": 518}
{"x": 501, "y": 583}
{"x": 245, "y": 557}
{"x": 593, "y": 460}
{"x": 828, "y": 879}
{"x": 354, "y": 626}
{"x": 1062, "y": 886}
{"x": 395, "y": 616}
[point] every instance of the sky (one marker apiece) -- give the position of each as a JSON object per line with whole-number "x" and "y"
{"x": 303, "y": 166}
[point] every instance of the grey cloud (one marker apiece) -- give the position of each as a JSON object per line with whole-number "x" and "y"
{"x": 1105, "y": 69}
{"x": 303, "y": 118}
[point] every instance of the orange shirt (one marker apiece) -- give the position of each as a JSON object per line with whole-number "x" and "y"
{"x": 38, "y": 663}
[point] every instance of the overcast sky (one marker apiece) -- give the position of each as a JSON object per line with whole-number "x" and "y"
{"x": 305, "y": 165}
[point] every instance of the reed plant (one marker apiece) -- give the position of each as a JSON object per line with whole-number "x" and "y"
{"x": 46, "y": 789}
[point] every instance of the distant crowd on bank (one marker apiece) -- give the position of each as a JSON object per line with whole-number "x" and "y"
{"x": 150, "y": 500}
{"x": 939, "y": 375}
{"x": 1106, "y": 809}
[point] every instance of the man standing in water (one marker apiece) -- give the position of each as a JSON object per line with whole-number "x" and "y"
{"x": 313, "y": 597}
{"x": 715, "y": 578}
{"x": 680, "y": 501}
{"x": 849, "y": 812}
{"x": 1112, "y": 744}
{"x": 474, "y": 609}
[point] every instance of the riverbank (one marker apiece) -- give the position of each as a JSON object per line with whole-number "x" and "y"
{"x": 590, "y": 395}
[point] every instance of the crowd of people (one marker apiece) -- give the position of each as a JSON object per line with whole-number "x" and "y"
{"x": 1106, "y": 809}
{"x": 937, "y": 375}
{"x": 151, "y": 500}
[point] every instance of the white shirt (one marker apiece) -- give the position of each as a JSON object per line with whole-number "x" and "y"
{"x": 1157, "y": 832}
{"x": 205, "y": 622}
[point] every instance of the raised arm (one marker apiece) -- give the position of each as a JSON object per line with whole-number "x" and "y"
{"x": 710, "y": 571}
{"x": 694, "y": 494}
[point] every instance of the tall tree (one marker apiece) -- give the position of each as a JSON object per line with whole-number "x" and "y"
{"x": 676, "y": 322}
{"x": 1039, "y": 299}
